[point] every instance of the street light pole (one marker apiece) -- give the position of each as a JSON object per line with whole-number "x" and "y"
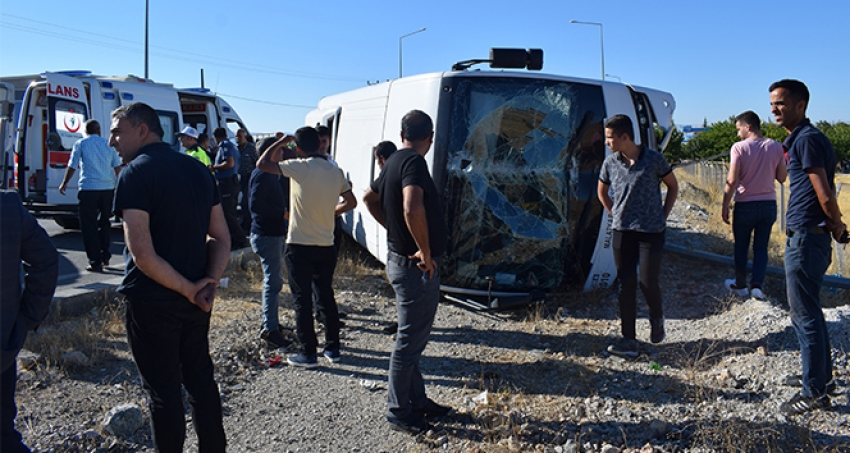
{"x": 601, "y": 42}
{"x": 399, "y": 47}
{"x": 147, "y": 2}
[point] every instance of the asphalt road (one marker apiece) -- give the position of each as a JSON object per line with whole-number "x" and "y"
{"x": 73, "y": 277}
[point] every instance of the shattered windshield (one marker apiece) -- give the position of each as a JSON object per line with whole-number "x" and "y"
{"x": 522, "y": 165}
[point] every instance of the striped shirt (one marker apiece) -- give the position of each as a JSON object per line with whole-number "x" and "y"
{"x": 96, "y": 161}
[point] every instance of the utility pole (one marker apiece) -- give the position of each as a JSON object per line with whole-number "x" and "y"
{"x": 147, "y": 13}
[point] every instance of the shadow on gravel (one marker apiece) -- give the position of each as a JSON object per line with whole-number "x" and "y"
{"x": 110, "y": 369}
{"x": 720, "y": 435}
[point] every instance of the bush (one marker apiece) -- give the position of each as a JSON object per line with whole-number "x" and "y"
{"x": 720, "y": 137}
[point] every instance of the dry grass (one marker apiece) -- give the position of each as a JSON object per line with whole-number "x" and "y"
{"x": 741, "y": 436}
{"x": 92, "y": 335}
{"x": 706, "y": 194}
{"x": 706, "y": 191}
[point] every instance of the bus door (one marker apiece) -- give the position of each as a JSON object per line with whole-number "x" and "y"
{"x": 67, "y": 111}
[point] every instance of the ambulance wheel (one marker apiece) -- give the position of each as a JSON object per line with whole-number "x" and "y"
{"x": 68, "y": 223}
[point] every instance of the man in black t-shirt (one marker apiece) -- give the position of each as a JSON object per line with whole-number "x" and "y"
{"x": 177, "y": 247}
{"x": 405, "y": 200}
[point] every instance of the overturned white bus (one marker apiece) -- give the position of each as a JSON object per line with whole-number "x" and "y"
{"x": 517, "y": 156}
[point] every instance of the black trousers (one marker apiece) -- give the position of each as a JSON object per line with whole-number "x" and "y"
{"x": 170, "y": 344}
{"x": 229, "y": 189}
{"x": 631, "y": 248}
{"x": 313, "y": 266}
{"x": 10, "y": 438}
{"x": 95, "y": 211}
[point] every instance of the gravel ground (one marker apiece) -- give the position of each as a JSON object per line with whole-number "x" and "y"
{"x": 535, "y": 379}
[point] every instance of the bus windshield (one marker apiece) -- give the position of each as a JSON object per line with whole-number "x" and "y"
{"x": 523, "y": 160}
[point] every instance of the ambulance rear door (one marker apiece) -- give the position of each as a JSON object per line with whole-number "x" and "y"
{"x": 228, "y": 118}
{"x": 67, "y": 111}
{"x": 7, "y": 133}
{"x": 162, "y": 98}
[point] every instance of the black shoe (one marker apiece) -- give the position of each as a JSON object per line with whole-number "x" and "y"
{"x": 433, "y": 409}
{"x": 418, "y": 426}
{"x": 302, "y": 360}
{"x": 94, "y": 267}
{"x": 796, "y": 380}
{"x": 332, "y": 355}
{"x": 274, "y": 339}
{"x": 624, "y": 347}
{"x": 391, "y": 329}
{"x": 658, "y": 334}
{"x": 800, "y": 404}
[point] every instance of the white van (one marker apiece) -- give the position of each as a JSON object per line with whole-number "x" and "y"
{"x": 50, "y": 109}
{"x": 517, "y": 157}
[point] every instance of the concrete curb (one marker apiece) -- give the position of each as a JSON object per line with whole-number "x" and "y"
{"x": 76, "y": 301}
{"x": 829, "y": 281}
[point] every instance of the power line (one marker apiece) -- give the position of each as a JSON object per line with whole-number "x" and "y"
{"x": 179, "y": 54}
{"x": 267, "y": 102}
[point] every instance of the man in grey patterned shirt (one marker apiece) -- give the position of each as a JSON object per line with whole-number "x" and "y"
{"x": 629, "y": 188}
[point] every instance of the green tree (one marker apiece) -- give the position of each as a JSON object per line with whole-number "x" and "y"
{"x": 673, "y": 152}
{"x": 774, "y": 131}
{"x": 716, "y": 140}
{"x": 839, "y": 134}
{"x": 720, "y": 137}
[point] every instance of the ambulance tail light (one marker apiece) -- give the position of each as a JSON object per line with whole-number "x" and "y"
{"x": 32, "y": 183}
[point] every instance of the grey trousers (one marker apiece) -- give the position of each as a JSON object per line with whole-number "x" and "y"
{"x": 416, "y": 301}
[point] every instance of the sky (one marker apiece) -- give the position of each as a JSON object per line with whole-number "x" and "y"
{"x": 274, "y": 60}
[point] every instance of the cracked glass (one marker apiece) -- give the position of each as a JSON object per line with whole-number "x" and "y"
{"x": 523, "y": 161}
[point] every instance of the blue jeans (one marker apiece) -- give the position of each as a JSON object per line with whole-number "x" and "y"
{"x": 807, "y": 256}
{"x": 310, "y": 265}
{"x": 752, "y": 219}
{"x": 416, "y": 302}
{"x": 270, "y": 249}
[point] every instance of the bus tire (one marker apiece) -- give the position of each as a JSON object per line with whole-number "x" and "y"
{"x": 68, "y": 223}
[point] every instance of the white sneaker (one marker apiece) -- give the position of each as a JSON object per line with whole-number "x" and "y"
{"x": 758, "y": 294}
{"x": 731, "y": 286}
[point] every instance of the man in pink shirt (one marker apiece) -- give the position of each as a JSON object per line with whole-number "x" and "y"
{"x": 755, "y": 163}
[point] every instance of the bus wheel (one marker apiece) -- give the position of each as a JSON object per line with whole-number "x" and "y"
{"x": 68, "y": 223}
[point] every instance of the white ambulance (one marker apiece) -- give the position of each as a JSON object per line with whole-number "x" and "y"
{"x": 50, "y": 109}
{"x": 516, "y": 156}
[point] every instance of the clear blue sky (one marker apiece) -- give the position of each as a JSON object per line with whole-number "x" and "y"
{"x": 272, "y": 60}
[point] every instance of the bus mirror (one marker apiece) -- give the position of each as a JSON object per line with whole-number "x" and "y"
{"x": 531, "y": 59}
{"x": 500, "y": 58}
{"x": 507, "y": 58}
{"x": 535, "y": 59}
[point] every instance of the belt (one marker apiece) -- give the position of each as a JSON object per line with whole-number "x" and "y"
{"x": 402, "y": 260}
{"x": 810, "y": 230}
{"x": 399, "y": 259}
